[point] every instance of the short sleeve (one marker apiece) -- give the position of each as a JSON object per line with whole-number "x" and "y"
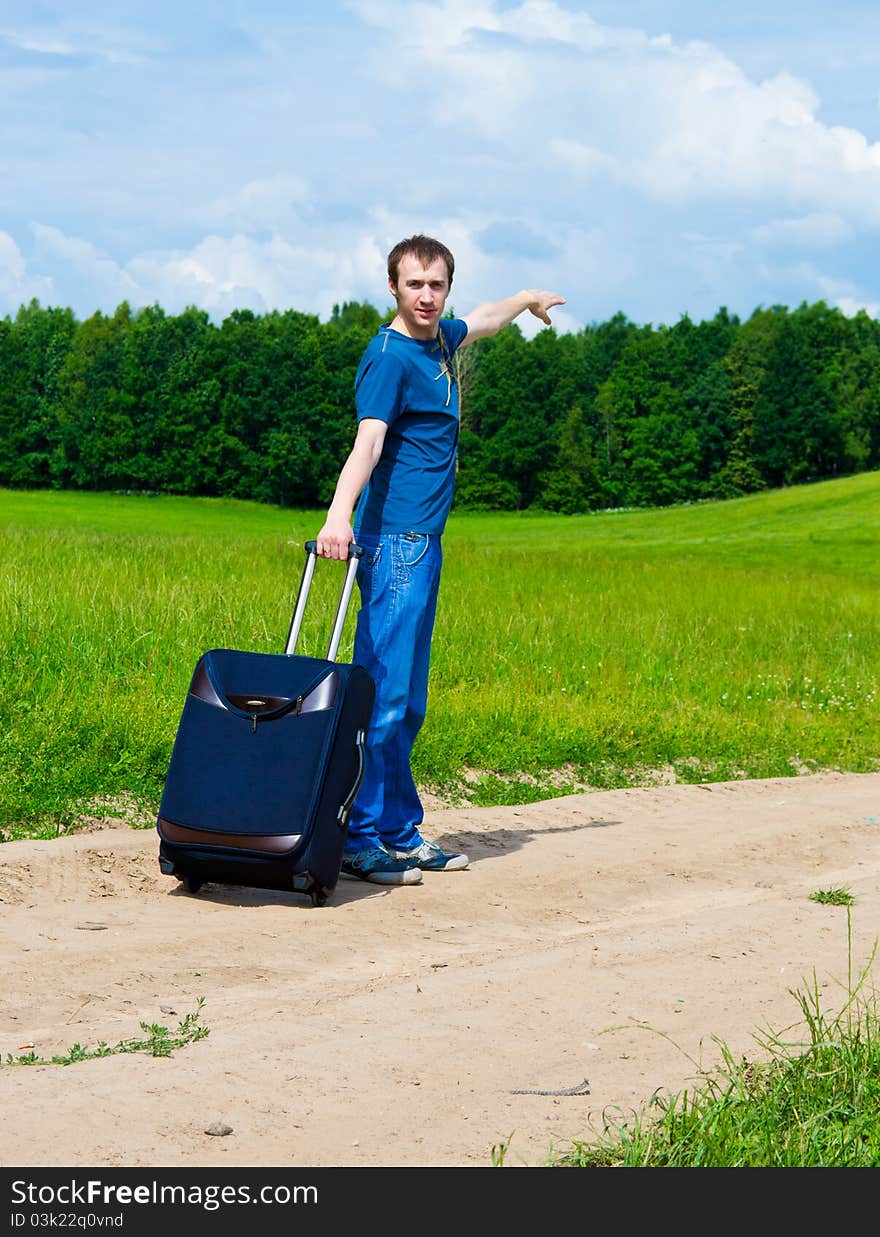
{"x": 454, "y": 331}
{"x": 379, "y": 388}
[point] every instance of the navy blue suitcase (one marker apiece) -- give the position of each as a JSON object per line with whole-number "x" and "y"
{"x": 268, "y": 758}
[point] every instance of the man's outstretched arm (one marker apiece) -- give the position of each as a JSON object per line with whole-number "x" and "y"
{"x": 488, "y": 319}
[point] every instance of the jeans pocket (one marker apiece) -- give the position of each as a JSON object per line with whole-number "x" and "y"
{"x": 412, "y": 548}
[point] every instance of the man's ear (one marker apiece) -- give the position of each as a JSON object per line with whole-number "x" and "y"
{"x": 393, "y": 286}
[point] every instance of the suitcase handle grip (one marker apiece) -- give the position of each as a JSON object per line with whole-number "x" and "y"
{"x": 355, "y": 553}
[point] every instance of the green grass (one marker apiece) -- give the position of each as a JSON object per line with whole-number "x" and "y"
{"x": 833, "y": 897}
{"x": 158, "y": 1041}
{"x": 708, "y": 642}
{"x": 807, "y": 1102}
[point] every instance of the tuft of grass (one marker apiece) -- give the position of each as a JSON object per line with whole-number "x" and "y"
{"x": 499, "y": 1151}
{"x": 158, "y": 1041}
{"x": 833, "y": 897}
{"x": 810, "y": 1102}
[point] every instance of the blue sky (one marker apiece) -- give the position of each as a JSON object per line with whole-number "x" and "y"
{"x": 654, "y": 158}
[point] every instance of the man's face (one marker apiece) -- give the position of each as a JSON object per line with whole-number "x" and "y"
{"x": 421, "y": 293}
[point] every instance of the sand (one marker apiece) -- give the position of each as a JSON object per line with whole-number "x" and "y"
{"x": 616, "y": 937}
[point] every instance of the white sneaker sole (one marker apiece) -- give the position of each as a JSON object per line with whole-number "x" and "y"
{"x": 411, "y": 877}
{"x": 458, "y": 864}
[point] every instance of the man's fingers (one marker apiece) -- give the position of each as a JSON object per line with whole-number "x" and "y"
{"x": 545, "y": 301}
{"x": 333, "y": 545}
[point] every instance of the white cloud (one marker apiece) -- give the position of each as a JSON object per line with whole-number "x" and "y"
{"x": 84, "y": 258}
{"x": 851, "y": 307}
{"x": 219, "y": 273}
{"x": 816, "y": 230}
{"x": 847, "y": 296}
{"x": 310, "y": 269}
{"x": 269, "y": 204}
{"x": 17, "y": 285}
{"x": 48, "y": 45}
{"x": 438, "y": 62}
{"x": 68, "y": 36}
{"x": 587, "y": 160}
{"x": 680, "y": 123}
{"x": 449, "y": 24}
{"x": 12, "y": 263}
{"x": 82, "y": 255}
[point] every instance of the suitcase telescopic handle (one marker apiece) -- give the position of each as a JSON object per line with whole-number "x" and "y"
{"x": 355, "y": 552}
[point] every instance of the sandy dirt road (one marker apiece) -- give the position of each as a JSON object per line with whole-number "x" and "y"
{"x": 393, "y": 1027}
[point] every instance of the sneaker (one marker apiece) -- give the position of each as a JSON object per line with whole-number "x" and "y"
{"x": 381, "y": 867}
{"x": 431, "y": 858}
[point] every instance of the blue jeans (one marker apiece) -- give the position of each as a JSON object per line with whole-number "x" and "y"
{"x": 398, "y": 577}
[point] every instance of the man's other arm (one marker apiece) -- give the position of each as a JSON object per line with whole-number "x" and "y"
{"x": 336, "y": 535}
{"x": 488, "y": 319}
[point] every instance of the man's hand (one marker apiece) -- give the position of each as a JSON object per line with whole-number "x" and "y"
{"x": 542, "y": 302}
{"x": 335, "y": 538}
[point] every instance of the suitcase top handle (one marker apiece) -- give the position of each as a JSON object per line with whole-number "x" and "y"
{"x": 355, "y": 552}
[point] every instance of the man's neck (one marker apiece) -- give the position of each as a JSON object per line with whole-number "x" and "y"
{"x": 400, "y": 326}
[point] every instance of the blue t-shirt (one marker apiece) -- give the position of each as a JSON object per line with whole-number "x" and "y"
{"x": 409, "y": 384}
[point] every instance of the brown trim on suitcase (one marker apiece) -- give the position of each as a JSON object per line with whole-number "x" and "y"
{"x": 321, "y": 697}
{"x": 277, "y": 845}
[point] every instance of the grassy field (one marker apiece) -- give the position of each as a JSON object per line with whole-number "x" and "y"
{"x": 720, "y": 640}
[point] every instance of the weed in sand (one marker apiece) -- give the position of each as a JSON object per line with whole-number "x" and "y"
{"x": 833, "y": 897}
{"x": 158, "y": 1042}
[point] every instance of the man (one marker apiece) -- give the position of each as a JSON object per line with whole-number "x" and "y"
{"x": 402, "y": 467}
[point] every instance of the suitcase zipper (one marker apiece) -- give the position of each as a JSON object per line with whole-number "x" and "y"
{"x": 295, "y": 709}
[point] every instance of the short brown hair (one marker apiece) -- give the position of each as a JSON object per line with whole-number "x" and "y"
{"x": 425, "y": 248}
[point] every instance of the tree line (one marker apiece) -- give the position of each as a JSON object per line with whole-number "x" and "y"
{"x": 262, "y": 406}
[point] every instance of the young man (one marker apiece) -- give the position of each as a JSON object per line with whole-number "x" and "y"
{"x": 402, "y": 467}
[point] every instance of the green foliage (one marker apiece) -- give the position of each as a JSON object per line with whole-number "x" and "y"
{"x": 616, "y": 415}
{"x": 573, "y": 484}
{"x": 484, "y": 491}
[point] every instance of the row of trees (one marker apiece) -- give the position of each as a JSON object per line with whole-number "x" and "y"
{"x": 262, "y": 407}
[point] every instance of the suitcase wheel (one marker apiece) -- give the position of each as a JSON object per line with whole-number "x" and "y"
{"x": 304, "y": 882}
{"x": 191, "y": 883}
